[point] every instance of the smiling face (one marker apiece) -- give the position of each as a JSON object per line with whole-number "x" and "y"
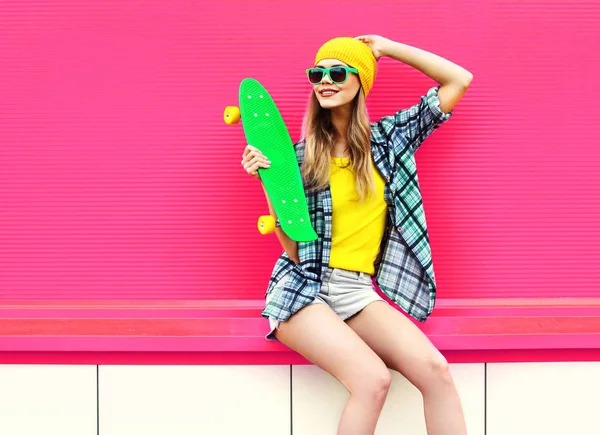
{"x": 332, "y": 95}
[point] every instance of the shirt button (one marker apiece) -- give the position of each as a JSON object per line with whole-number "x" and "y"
{"x": 387, "y": 178}
{"x": 399, "y": 229}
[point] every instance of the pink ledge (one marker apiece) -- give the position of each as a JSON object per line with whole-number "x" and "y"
{"x": 232, "y": 332}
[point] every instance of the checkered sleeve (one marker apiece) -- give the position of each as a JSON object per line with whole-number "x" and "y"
{"x": 415, "y": 123}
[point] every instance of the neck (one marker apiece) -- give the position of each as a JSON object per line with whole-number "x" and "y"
{"x": 340, "y": 118}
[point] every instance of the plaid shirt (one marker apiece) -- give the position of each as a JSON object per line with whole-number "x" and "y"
{"x": 403, "y": 268}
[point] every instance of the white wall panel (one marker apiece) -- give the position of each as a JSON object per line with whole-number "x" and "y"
{"x": 186, "y": 400}
{"x": 48, "y": 399}
{"x": 319, "y": 399}
{"x": 543, "y": 398}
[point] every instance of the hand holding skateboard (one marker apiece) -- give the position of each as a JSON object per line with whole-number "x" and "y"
{"x": 252, "y": 159}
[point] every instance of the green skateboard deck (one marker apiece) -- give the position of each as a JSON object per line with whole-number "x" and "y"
{"x": 265, "y": 130}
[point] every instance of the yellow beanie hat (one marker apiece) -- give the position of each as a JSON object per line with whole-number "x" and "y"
{"x": 356, "y": 54}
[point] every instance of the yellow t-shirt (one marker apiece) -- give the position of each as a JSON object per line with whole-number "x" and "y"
{"x": 357, "y": 228}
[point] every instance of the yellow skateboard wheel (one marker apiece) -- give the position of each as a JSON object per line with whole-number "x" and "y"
{"x": 266, "y": 224}
{"x": 231, "y": 115}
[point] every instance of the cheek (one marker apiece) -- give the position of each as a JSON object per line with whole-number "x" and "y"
{"x": 352, "y": 85}
{"x": 352, "y": 89}
{"x": 355, "y": 83}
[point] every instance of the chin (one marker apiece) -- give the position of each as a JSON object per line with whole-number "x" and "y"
{"x": 329, "y": 104}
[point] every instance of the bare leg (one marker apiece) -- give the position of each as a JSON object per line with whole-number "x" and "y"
{"x": 319, "y": 335}
{"x": 406, "y": 349}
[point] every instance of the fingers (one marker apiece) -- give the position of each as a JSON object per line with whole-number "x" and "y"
{"x": 250, "y": 150}
{"x": 253, "y": 165}
{"x": 252, "y": 159}
{"x": 253, "y": 155}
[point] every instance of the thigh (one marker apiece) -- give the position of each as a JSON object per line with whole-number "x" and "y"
{"x": 319, "y": 335}
{"x": 398, "y": 342}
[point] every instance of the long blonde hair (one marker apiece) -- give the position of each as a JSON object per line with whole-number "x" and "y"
{"x": 319, "y": 137}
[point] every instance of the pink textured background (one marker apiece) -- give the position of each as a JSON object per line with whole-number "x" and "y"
{"x": 119, "y": 179}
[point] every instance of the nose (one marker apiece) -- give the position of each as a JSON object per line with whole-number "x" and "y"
{"x": 326, "y": 78}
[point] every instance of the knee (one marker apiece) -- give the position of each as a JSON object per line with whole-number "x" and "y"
{"x": 374, "y": 383}
{"x": 382, "y": 382}
{"x": 438, "y": 372}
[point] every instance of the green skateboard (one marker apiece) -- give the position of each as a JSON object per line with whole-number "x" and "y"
{"x": 265, "y": 130}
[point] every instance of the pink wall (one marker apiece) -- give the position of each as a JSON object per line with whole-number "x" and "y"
{"x": 112, "y": 139}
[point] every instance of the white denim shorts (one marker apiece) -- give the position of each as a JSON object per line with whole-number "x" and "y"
{"x": 346, "y": 292}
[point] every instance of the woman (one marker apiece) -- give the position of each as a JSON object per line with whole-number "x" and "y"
{"x": 365, "y": 205}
